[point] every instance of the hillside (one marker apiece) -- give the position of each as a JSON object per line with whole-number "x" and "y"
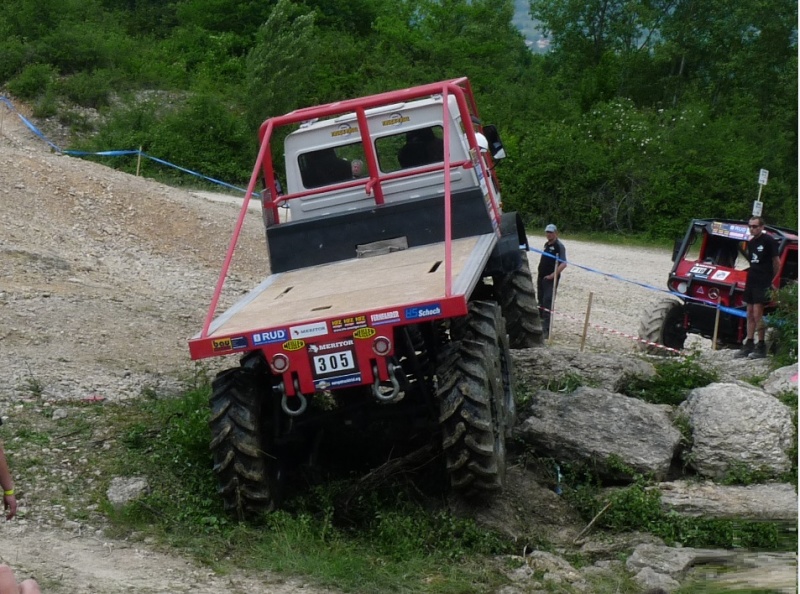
{"x": 104, "y": 276}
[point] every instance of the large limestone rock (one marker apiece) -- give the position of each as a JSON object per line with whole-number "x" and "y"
{"x": 540, "y": 368}
{"x": 737, "y": 424}
{"x": 593, "y": 424}
{"x": 763, "y": 502}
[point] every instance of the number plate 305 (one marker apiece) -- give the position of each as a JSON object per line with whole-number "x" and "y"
{"x": 333, "y": 363}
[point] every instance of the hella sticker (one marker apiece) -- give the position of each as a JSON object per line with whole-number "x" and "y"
{"x": 351, "y": 323}
{"x": 269, "y": 337}
{"x": 308, "y": 330}
{"x": 293, "y": 345}
{"x": 425, "y": 311}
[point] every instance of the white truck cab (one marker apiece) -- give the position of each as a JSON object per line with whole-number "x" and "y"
{"x": 405, "y": 136}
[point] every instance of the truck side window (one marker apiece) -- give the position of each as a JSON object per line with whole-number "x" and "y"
{"x": 323, "y": 167}
{"x": 414, "y": 148}
{"x": 422, "y": 147}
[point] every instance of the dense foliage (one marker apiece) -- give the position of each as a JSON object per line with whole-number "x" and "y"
{"x": 643, "y": 114}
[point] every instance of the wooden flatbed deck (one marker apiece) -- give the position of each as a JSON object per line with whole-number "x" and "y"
{"x": 330, "y": 291}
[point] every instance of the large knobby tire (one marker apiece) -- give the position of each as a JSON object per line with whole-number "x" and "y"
{"x": 246, "y": 476}
{"x": 517, "y": 297}
{"x": 663, "y": 324}
{"x": 487, "y": 325}
{"x": 472, "y": 405}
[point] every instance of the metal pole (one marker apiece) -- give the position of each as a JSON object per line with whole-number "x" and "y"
{"x": 586, "y": 319}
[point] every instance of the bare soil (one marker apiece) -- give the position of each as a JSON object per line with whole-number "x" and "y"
{"x": 103, "y": 278}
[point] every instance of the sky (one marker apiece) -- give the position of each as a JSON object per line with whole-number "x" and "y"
{"x": 527, "y": 26}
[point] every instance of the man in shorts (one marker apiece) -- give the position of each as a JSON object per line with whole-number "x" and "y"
{"x": 764, "y": 265}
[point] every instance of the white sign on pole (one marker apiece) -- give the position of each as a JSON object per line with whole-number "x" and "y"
{"x": 758, "y": 207}
{"x": 762, "y": 177}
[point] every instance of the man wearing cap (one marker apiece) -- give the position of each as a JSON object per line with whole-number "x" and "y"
{"x": 551, "y": 264}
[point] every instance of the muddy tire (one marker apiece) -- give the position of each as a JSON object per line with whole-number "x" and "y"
{"x": 663, "y": 324}
{"x": 247, "y": 477}
{"x": 472, "y": 409}
{"x": 517, "y": 298}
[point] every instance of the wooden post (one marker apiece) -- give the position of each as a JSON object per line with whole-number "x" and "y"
{"x": 586, "y": 320}
{"x": 553, "y": 305}
{"x": 138, "y": 161}
{"x": 716, "y": 326}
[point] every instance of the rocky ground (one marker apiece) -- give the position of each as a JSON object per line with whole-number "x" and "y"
{"x": 103, "y": 278}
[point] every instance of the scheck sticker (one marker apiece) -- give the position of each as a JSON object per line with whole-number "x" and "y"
{"x": 293, "y": 345}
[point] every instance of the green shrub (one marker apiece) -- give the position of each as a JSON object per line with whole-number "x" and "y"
{"x": 88, "y": 89}
{"x": 784, "y": 321}
{"x": 33, "y": 81}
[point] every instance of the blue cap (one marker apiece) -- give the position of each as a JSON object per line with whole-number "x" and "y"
{"x": 551, "y": 228}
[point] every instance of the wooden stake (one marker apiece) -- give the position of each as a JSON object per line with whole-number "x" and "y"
{"x": 553, "y": 305}
{"x": 138, "y": 161}
{"x": 589, "y": 526}
{"x": 586, "y": 319}
{"x": 716, "y": 326}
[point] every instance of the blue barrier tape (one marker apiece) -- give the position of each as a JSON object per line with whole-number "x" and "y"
{"x": 117, "y": 153}
{"x": 729, "y": 310}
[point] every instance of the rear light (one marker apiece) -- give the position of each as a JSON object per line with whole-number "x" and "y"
{"x": 382, "y": 346}
{"x": 682, "y": 287}
{"x": 280, "y": 363}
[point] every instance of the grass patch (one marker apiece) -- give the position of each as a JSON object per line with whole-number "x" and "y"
{"x": 673, "y": 381}
{"x": 638, "y": 507}
{"x": 392, "y": 540}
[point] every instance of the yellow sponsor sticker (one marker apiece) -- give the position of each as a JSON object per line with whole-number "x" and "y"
{"x": 293, "y": 345}
{"x": 365, "y": 333}
{"x": 222, "y": 344}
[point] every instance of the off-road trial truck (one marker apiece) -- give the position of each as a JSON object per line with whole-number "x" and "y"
{"x": 396, "y": 290}
{"x": 708, "y": 274}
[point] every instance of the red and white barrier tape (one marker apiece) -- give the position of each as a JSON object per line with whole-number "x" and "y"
{"x": 616, "y": 332}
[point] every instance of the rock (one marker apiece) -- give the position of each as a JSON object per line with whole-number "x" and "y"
{"x": 540, "y": 368}
{"x": 736, "y": 424}
{"x": 782, "y": 380}
{"x": 772, "y": 502}
{"x": 671, "y": 561}
{"x": 655, "y": 582}
{"x": 124, "y": 490}
{"x": 593, "y": 424}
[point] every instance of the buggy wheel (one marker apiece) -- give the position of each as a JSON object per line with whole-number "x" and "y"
{"x": 517, "y": 297}
{"x": 663, "y": 324}
{"x": 472, "y": 403}
{"x": 249, "y": 475}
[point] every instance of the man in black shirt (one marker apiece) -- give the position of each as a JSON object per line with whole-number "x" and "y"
{"x": 551, "y": 264}
{"x": 764, "y": 265}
